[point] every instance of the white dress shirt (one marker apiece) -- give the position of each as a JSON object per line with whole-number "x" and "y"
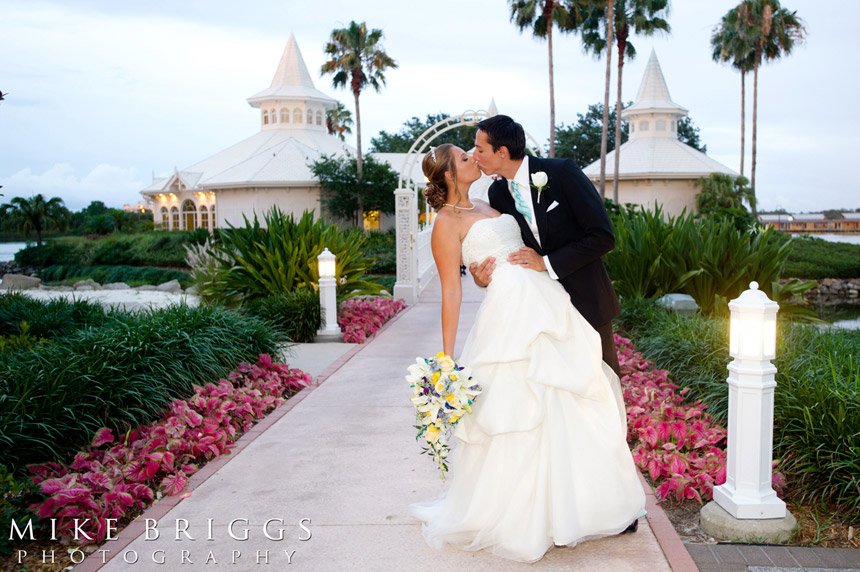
{"x": 522, "y": 180}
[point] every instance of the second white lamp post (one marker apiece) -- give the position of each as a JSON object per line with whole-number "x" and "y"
{"x": 747, "y": 492}
{"x": 329, "y": 331}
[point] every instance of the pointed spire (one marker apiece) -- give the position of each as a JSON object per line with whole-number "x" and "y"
{"x": 653, "y": 95}
{"x": 492, "y": 109}
{"x": 292, "y": 70}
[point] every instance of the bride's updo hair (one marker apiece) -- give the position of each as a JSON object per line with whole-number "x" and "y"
{"x": 438, "y": 161}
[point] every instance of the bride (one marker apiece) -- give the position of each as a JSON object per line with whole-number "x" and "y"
{"x": 543, "y": 459}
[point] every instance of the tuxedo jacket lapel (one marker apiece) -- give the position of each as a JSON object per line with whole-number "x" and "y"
{"x": 539, "y": 206}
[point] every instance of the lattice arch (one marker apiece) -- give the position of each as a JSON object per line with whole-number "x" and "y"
{"x": 415, "y": 267}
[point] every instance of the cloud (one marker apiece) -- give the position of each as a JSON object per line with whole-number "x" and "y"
{"x": 110, "y": 184}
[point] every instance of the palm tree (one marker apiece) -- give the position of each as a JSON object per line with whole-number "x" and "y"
{"x": 540, "y": 15}
{"x": 753, "y": 32}
{"x": 339, "y": 121}
{"x": 356, "y": 58}
{"x": 643, "y": 17}
{"x": 731, "y": 43}
{"x": 775, "y": 32}
{"x": 35, "y": 214}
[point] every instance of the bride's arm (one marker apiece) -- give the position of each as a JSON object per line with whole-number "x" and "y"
{"x": 445, "y": 243}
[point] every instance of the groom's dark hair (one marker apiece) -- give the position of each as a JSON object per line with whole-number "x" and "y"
{"x": 502, "y": 131}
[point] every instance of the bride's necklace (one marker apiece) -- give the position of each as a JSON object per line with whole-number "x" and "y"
{"x": 471, "y": 208}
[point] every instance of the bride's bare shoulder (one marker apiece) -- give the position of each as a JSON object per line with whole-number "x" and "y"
{"x": 485, "y": 208}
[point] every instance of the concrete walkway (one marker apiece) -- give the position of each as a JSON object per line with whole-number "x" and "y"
{"x": 344, "y": 462}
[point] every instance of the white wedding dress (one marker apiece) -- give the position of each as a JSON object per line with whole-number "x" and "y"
{"x": 543, "y": 458}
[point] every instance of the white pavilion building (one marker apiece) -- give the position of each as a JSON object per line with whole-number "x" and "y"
{"x": 267, "y": 169}
{"x": 656, "y": 167}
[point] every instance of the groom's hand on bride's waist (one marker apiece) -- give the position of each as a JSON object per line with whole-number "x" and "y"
{"x": 528, "y": 258}
{"x": 482, "y": 273}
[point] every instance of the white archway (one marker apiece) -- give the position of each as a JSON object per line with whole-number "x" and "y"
{"x": 415, "y": 267}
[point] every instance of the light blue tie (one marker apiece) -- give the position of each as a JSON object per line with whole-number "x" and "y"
{"x": 521, "y": 205}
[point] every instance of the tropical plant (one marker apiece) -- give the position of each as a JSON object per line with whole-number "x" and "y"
{"x": 816, "y": 258}
{"x": 709, "y": 259}
{"x": 280, "y": 256}
{"x": 401, "y": 141}
{"x": 356, "y": 58}
{"x": 637, "y": 16}
{"x": 766, "y": 31}
{"x": 339, "y": 121}
{"x": 539, "y": 16}
{"x": 34, "y": 213}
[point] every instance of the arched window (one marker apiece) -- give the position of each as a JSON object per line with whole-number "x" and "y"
{"x": 643, "y": 126}
{"x": 189, "y": 215}
{"x": 310, "y": 117}
{"x": 319, "y": 117}
{"x": 632, "y": 125}
{"x": 274, "y": 115}
{"x": 660, "y": 125}
{"x": 297, "y": 115}
{"x": 212, "y": 215}
{"x": 285, "y": 115}
{"x": 204, "y": 217}
{"x": 265, "y": 117}
{"x": 174, "y": 216}
{"x": 165, "y": 219}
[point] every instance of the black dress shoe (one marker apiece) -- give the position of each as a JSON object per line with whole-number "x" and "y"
{"x": 632, "y": 527}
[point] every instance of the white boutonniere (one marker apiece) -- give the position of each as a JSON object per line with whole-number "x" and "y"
{"x": 539, "y": 182}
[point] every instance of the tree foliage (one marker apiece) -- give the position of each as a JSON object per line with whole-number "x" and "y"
{"x": 400, "y": 142}
{"x": 345, "y": 195}
{"x": 723, "y": 196}
{"x": 34, "y": 214}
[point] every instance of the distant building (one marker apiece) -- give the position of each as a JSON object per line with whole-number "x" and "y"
{"x": 655, "y": 167}
{"x": 140, "y": 207}
{"x": 270, "y": 168}
{"x": 812, "y": 223}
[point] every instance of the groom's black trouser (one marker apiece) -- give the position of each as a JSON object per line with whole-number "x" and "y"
{"x": 607, "y": 344}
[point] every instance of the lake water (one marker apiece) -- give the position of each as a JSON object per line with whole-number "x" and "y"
{"x": 8, "y": 250}
{"x": 849, "y": 238}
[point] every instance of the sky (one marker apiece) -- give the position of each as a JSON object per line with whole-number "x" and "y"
{"x": 102, "y": 95}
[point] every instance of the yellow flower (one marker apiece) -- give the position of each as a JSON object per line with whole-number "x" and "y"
{"x": 432, "y": 434}
{"x": 446, "y": 363}
{"x": 452, "y": 399}
{"x": 440, "y": 355}
{"x": 440, "y": 387}
{"x": 453, "y": 377}
{"x": 454, "y": 419}
{"x": 436, "y": 376}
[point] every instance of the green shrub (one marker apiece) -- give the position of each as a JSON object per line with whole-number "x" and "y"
{"x": 54, "y": 319}
{"x": 255, "y": 261}
{"x": 141, "y": 249}
{"x": 120, "y": 374}
{"x": 382, "y": 247}
{"x": 816, "y": 258}
{"x": 386, "y": 281}
{"x": 297, "y": 314}
{"x": 816, "y": 403}
{"x": 710, "y": 259}
{"x": 131, "y": 275}
{"x": 16, "y": 494}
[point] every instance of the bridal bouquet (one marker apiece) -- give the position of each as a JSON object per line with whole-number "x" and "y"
{"x": 442, "y": 393}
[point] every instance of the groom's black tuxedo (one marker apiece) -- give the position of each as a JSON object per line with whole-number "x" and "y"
{"x": 573, "y": 235}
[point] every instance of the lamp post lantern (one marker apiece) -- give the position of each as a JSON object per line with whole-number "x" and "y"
{"x": 747, "y": 492}
{"x": 328, "y": 297}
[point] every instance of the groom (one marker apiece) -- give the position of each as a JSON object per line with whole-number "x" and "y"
{"x": 563, "y": 222}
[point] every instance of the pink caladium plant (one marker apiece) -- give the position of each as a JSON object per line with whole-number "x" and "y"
{"x": 360, "y": 318}
{"x": 676, "y": 443}
{"x": 118, "y": 474}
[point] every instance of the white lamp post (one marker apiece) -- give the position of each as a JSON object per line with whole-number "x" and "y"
{"x": 747, "y": 492}
{"x": 328, "y": 297}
